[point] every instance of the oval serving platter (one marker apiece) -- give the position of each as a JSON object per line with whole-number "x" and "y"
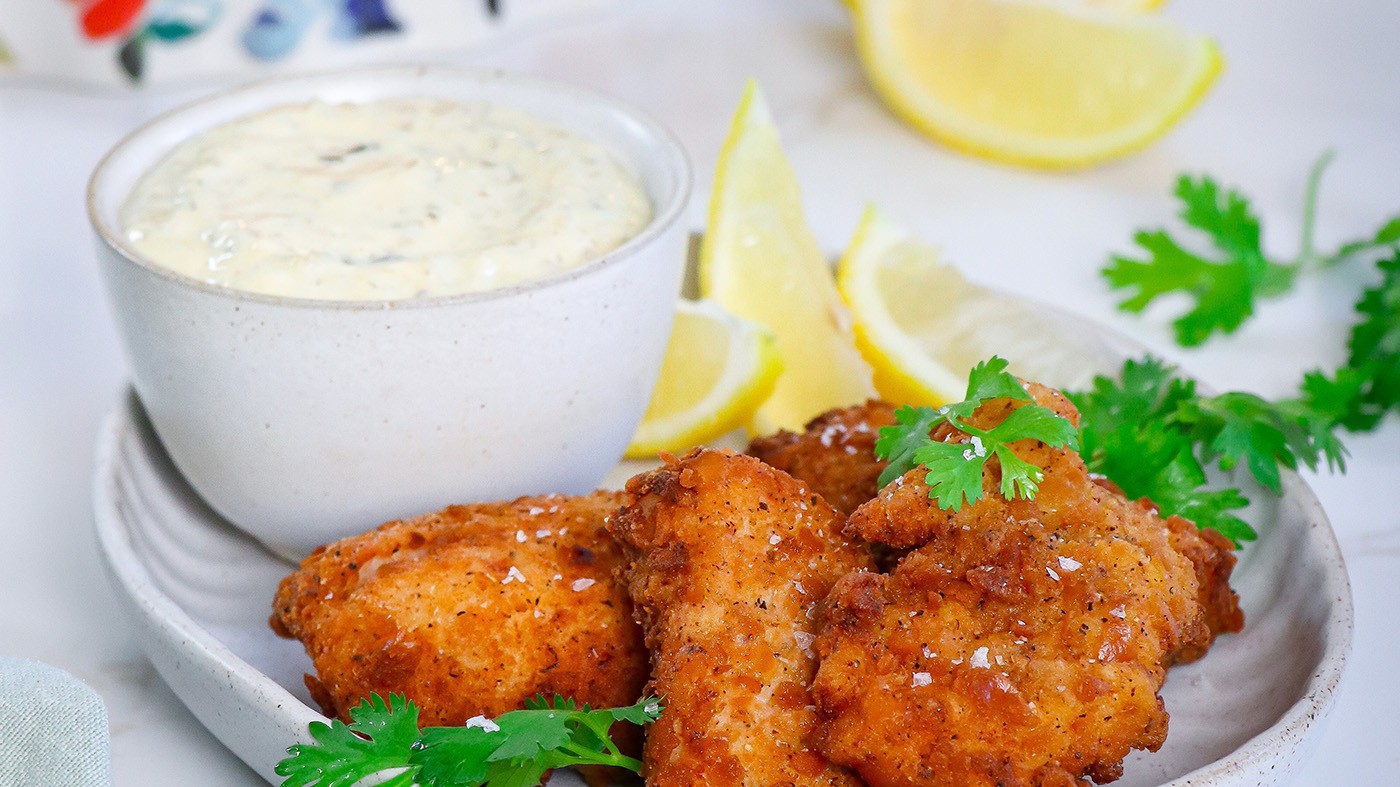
{"x": 199, "y": 593}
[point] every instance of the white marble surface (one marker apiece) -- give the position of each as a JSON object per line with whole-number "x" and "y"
{"x": 1302, "y": 77}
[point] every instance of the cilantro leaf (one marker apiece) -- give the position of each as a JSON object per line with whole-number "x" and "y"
{"x": 1127, "y": 434}
{"x": 1374, "y": 345}
{"x": 1224, "y": 290}
{"x": 1225, "y": 216}
{"x": 515, "y": 750}
{"x": 1151, "y": 434}
{"x": 454, "y": 755}
{"x": 897, "y": 444}
{"x": 955, "y": 469}
{"x": 528, "y": 732}
{"x": 379, "y": 738}
{"x": 1341, "y": 397}
{"x": 1242, "y": 427}
{"x": 1019, "y": 478}
{"x": 990, "y": 380}
{"x": 527, "y": 774}
{"x": 1033, "y": 422}
{"x": 641, "y": 714}
{"x": 1359, "y": 394}
{"x": 1225, "y": 286}
{"x": 954, "y": 473}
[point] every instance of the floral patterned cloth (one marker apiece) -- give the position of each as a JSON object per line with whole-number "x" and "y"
{"x": 137, "y": 41}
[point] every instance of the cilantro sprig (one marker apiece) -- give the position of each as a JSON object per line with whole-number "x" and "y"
{"x": 955, "y": 469}
{"x": 514, "y": 750}
{"x": 1225, "y": 286}
{"x": 1225, "y": 283}
{"x": 1361, "y": 392}
{"x": 1153, "y": 435}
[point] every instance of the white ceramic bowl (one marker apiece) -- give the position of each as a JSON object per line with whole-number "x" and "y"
{"x": 303, "y": 421}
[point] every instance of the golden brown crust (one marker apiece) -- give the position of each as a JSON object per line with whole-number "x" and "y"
{"x": 729, "y": 559}
{"x": 1213, "y": 557}
{"x": 1019, "y": 643}
{"x": 470, "y": 610}
{"x": 834, "y": 455}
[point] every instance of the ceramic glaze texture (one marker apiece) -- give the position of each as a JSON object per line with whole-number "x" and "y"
{"x": 304, "y": 421}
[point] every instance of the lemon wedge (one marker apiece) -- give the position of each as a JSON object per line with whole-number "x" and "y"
{"x": 1036, "y": 83}
{"x": 759, "y": 260}
{"x": 1120, "y": 5}
{"x": 1125, "y": 5}
{"x": 922, "y": 326}
{"x": 718, "y": 369}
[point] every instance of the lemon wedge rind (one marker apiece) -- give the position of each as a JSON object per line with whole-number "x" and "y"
{"x": 904, "y": 371}
{"x": 1009, "y": 47}
{"x": 922, "y": 325}
{"x": 692, "y": 405}
{"x": 759, "y": 260}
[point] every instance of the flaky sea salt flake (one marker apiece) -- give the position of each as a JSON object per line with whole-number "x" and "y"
{"x": 482, "y": 723}
{"x": 804, "y": 641}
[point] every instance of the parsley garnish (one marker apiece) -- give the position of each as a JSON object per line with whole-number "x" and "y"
{"x": 1224, "y": 290}
{"x": 515, "y": 750}
{"x": 1225, "y": 285}
{"x": 1360, "y": 393}
{"x": 955, "y": 469}
{"x": 1153, "y": 435}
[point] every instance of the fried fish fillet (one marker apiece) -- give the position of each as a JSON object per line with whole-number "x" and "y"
{"x": 470, "y": 611}
{"x": 834, "y": 454}
{"x": 728, "y": 562}
{"x": 1213, "y": 557}
{"x": 1019, "y": 643}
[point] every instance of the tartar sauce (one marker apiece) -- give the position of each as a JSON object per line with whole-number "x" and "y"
{"x": 392, "y": 199}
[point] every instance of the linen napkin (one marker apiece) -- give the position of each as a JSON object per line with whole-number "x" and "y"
{"x": 53, "y": 728}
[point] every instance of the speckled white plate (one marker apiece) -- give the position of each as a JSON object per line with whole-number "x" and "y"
{"x": 200, "y": 592}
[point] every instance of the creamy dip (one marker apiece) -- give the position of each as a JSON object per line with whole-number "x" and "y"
{"x": 391, "y": 199}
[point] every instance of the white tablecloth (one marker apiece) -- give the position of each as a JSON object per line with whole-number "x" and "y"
{"x": 1301, "y": 77}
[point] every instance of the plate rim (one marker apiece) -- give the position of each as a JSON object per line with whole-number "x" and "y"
{"x": 1285, "y": 740}
{"x": 129, "y": 573}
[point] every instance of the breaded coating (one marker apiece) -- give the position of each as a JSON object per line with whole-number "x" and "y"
{"x": 470, "y": 611}
{"x": 1020, "y": 643}
{"x": 1213, "y": 557}
{"x": 834, "y": 455}
{"x": 729, "y": 561}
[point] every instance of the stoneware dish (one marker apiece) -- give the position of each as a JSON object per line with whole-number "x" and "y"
{"x": 200, "y": 593}
{"x": 303, "y": 421}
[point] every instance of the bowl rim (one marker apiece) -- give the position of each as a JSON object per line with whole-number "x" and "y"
{"x": 665, "y": 213}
